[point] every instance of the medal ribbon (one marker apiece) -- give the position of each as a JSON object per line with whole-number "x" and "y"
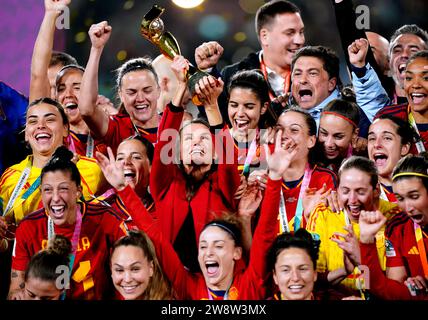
{"x": 74, "y": 239}
{"x": 251, "y": 152}
{"x": 382, "y": 193}
{"x": 299, "y": 209}
{"x": 90, "y": 147}
{"x": 21, "y": 182}
{"x": 421, "y": 248}
{"x": 265, "y": 74}
{"x": 419, "y": 143}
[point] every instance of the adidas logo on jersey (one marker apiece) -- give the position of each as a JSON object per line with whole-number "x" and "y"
{"x": 413, "y": 250}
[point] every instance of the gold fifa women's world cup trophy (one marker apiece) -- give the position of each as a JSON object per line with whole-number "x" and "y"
{"x": 152, "y": 28}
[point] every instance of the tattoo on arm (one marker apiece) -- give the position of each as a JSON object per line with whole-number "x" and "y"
{"x": 22, "y": 285}
{"x": 14, "y": 274}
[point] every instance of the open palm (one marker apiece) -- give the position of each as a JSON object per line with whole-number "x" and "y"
{"x": 281, "y": 158}
{"x": 112, "y": 170}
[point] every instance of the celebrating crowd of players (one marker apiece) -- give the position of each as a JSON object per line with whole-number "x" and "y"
{"x": 286, "y": 185}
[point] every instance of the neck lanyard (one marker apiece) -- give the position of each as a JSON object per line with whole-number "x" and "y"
{"x": 89, "y": 146}
{"x": 421, "y": 247}
{"x": 139, "y": 130}
{"x": 383, "y": 195}
{"x": 250, "y": 155}
{"x": 284, "y": 227}
{"x": 74, "y": 239}
{"x": 265, "y": 74}
{"x": 104, "y": 196}
{"x": 419, "y": 143}
{"x": 21, "y": 182}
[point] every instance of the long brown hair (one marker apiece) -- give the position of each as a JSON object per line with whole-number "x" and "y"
{"x": 159, "y": 288}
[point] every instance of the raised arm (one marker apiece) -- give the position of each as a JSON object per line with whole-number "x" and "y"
{"x": 370, "y": 94}
{"x": 208, "y": 54}
{"x": 42, "y": 52}
{"x": 266, "y": 229}
{"x": 348, "y": 31}
{"x": 248, "y": 205}
{"x": 182, "y": 281}
{"x": 392, "y": 285}
{"x": 208, "y": 90}
{"x": 95, "y": 118}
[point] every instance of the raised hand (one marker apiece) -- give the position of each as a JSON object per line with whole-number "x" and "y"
{"x": 370, "y": 223}
{"x": 180, "y": 67}
{"x": 357, "y": 51}
{"x": 105, "y": 103}
{"x": 208, "y": 90}
{"x": 332, "y": 201}
{"x": 349, "y": 245}
{"x": 312, "y": 198}
{"x": 112, "y": 170}
{"x": 241, "y": 189}
{"x": 99, "y": 34}
{"x": 416, "y": 285}
{"x": 268, "y": 136}
{"x": 259, "y": 178}
{"x": 281, "y": 158}
{"x": 360, "y": 145}
{"x": 208, "y": 54}
{"x": 282, "y": 99}
{"x": 250, "y": 201}
{"x": 56, "y": 6}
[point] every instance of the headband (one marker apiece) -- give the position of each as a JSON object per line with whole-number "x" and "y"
{"x": 222, "y": 225}
{"x": 62, "y": 71}
{"x": 409, "y": 174}
{"x": 341, "y": 116}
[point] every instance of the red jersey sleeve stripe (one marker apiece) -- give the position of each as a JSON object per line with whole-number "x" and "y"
{"x": 6, "y": 175}
{"x": 398, "y": 219}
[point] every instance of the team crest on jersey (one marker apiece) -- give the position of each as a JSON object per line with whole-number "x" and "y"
{"x": 291, "y": 199}
{"x": 389, "y": 249}
{"x": 233, "y": 293}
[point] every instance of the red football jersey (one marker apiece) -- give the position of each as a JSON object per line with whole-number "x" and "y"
{"x": 402, "y": 111}
{"x": 101, "y": 226}
{"x": 401, "y": 250}
{"x": 117, "y": 204}
{"x": 247, "y": 282}
{"x": 291, "y": 195}
{"x": 121, "y": 127}
{"x": 387, "y": 190}
{"x": 78, "y": 144}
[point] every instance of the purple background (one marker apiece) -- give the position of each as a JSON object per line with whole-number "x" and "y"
{"x": 19, "y": 24}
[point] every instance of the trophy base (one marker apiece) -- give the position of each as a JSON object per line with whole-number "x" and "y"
{"x": 191, "y": 83}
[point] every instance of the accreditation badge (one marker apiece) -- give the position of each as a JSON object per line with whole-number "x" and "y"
{"x": 389, "y": 249}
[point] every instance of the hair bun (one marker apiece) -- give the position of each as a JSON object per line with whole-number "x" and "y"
{"x": 60, "y": 245}
{"x": 62, "y": 154}
{"x": 348, "y": 94}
